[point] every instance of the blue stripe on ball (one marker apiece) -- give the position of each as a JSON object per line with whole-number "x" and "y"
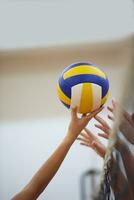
{"x": 78, "y": 64}
{"x": 65, "y": 87}
{"x": 86, "y": 78}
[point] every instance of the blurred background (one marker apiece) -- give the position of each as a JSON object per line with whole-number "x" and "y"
{"x": 37, "y": 41}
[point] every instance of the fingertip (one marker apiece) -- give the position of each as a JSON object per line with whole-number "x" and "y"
{"x": 93, "y": 142}
{"x": 98, "y": 126}
{"x": 113, "y": 100}
{"x": 110, "y": 117}
{"x": 109, "y": 108}
{"x": 98, "y": 118}
{"x": 81, "y": 143}
{"x": 101, "y": 135}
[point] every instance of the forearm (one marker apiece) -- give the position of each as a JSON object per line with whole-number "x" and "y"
{"x": 119, "y": 183}
{"x": 50, "y": 167}
{"x": 45, "y": 174}
{"x": 42, "y": 178}
{"x": 126, "y": 155}
{"x": 127, "y": 130}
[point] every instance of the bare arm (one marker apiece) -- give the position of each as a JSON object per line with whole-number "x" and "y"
{"x": 117, "y": 181}
{"x": 45, "y": 174}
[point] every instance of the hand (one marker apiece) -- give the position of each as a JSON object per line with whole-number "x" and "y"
{"x": 90, "y": 140}
{"x": 125, "y": 114}
{"x": 127, "y": 121}
{"x": 78, "y": 124}
{"x": 103, "y": 126}
{"x": 112, "y": 109}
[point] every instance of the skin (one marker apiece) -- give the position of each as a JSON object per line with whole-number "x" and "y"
{"x": 122, "y": 188}
{"x": 45, "y": 174}
{"x": 88, "y": 139}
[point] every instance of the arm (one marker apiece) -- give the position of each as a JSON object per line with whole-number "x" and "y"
{"x": 117, "y": 180}
{"x": 127, "y": 121}
{"x": 127, "y": 158}
{"x": 128, "y": 161}
{"x": 45, "y": 174}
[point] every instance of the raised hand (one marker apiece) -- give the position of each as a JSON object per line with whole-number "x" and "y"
{"x": 126, "y": 123}
{"x": 112, "y": 109}
{"x": 125, "y": 114}
{"x": 88, "y": 139}
{"x": 103, "y": 126}
{"x": 78, "y": 124}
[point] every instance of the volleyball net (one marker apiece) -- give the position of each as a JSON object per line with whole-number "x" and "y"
{"x": 118, "y": 175}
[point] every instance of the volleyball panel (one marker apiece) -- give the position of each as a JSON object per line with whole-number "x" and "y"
{"x": 63, "y": 97}
{"x": 76, "y": 92}
{"x": 79, "y": 70}
{"x": 97, "y": 96}
{"x": 104, "y": 99}
{"x": 86, "y": 102}
{"x": 86, "y": 96}
{"x": 86, "y": 78}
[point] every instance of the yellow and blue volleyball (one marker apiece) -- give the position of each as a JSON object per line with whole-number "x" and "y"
{"x": 83, "y": 85}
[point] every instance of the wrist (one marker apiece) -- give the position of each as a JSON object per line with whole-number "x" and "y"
{"x": 69, "y": 139}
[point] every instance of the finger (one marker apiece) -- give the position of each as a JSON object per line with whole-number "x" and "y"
{"x": 110, "y": 109}
{"x": 105, "y": 129}
{"x": 90, "y": 134}
{"x": 94, "y": 113}
{"x": 85, "y": 135}
{"x": 114, "y": 103}
{"x": 100, "y": 127}
{"x": 127, "y": 116}
{"x": 89, "y": 116}
{"x": 85, "y": 144}
{"x": 106, "y": 136}
{"x": 84, "y": 115}
{"x": 102, "y": 121}
{"x": 111, "y": 118}
{"x": 83, "y": 140}
{"x": 74, "y": 112}
{"x": 99, "y": 148}
{"x": 82, "y": 135}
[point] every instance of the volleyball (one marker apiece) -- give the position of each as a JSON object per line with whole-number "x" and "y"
{"x": 83, "y": 85}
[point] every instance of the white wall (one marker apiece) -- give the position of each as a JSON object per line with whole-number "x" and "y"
{"x": 52, "y": 22}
